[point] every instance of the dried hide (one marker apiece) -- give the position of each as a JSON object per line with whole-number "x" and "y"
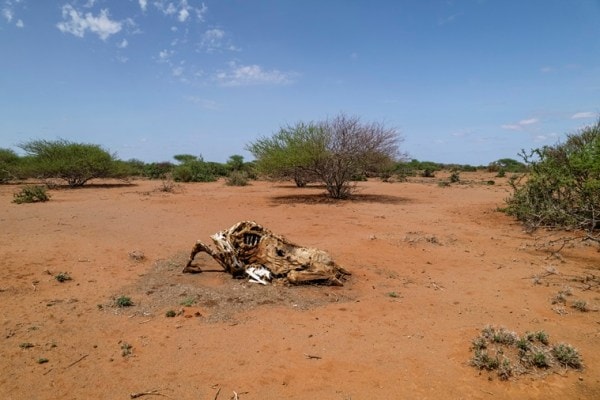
{"x": 250, "y": 249}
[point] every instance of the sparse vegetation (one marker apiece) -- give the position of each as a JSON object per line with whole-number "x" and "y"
{"x": 62, "y": 277}
{"x": 123, "y": 301}
{"x": 455, "y": 177}
{"x": 31, "y": 194}
{"x": 26, "y": 345}
{"x": 188, "y": 302}
{"x": 503, "y": 351}
{"x": 126, "y": 349}
{"x": 170, "y": 314}
{"x": 42, "y": 360}
{"x": 580, "y": 305}
{"x": 567, "y": 355}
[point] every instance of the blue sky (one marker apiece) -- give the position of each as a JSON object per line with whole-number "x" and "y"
{"x": 465, "y": 81}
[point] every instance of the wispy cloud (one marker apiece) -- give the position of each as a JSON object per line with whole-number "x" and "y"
{"x": 143, "y": 5}
{"x": 521, "y": 124}
{"x": 182, "y": 10}
{"x": 164, "y": 55}
{"x": 583, "y": 115}
{"x": 7, "y": 13}
{"x": 124, "y": 43}
{"x": 76, "y": 23}
{"x": 9, "y": 10}
{"x": 245, "y": 75}
{"x": 215, "y": 40}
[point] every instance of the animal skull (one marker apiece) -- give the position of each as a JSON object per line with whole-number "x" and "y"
{"x": 250, "y": 249}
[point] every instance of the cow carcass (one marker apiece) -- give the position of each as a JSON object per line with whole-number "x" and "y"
{"x": 249, "y": 249}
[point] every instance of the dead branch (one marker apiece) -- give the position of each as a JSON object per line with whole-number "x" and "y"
{"x": 155, "y": 392}
{"x": 75, "y": 362}
{"x": 312, "y": 357}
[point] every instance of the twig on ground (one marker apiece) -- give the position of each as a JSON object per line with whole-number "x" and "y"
{"x": 217, "y": 394}
{"x": 312, "y": 357}
{"x": 155, "y": 392}
{"x": 75, "y": 362}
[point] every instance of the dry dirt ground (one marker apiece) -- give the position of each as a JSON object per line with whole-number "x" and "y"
{"x": 431, "y": 267}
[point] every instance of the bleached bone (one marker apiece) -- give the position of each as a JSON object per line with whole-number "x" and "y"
{"x": 247, "y": 248}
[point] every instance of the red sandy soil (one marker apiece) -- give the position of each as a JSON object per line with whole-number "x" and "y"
{"x": 431, "y": 266}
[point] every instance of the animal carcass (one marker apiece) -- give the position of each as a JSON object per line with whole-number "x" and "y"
{"x": 250, "y": 249}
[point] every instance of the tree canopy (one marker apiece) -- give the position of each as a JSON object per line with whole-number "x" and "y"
{"x": 333, "y": 151}
{"x": 76, "y": 163}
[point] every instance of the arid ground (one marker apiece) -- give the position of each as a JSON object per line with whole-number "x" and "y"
{"x": 431, "y": 267}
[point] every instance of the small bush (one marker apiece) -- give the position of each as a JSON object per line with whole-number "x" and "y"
{"x": 455, "y": 177}
{"x": 26, "y": 345}
{"x": 237, "y": 178}
{"x": 42, "y": 360}
{"x": 31, "y": 194}
{"x": 123, "y": 301}
{"x": 483, "y": 360}
{"x": 540, "y": 359}
{"x": 567, "y": 355}
{"x": 62, "y": 277}
{"x": 126, "y": 349}
{"x": 428, "y": 173}
{"x": 170, "y": 314}
{"x": 188, "y": 302}
{"x": 581, "y": 305}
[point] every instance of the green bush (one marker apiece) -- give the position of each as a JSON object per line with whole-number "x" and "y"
{"x": 158, "y": 170}
{"x": 31, "y": 194}
{"x": 9, "y": 161}
{"x": 194, "y": 171}
{"x": 75, "y": 163}
{"x": 237, "y": 178}
{"x": 563, "y": 188}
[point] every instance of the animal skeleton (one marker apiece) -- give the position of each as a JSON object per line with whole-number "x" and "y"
{"x": 250, "y": 249}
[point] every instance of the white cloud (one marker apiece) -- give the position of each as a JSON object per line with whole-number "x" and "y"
{"x": 547, "y": 69}
{"x": 182, "y": 9}
{"x": 216, "y": 39}
{"x": 7, "y": 13}
{"x": 177, "y": 71}
{"x": 143, "y": 4}
{"x": 521, "y": 124}
{"x": 528, "y": 121}
{"x": 124, "y": 43}
{"x": 77, "y": 24}
{"x": 244, "y": 75}
{"x": 183, "y": 15}
{"x": 582, "y": 115}
{"x": 89, "y": 3}
{"x": 512, "y": 127}
{"x": 164, "y": 55}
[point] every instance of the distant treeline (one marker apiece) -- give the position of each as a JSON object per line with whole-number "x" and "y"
{"x": 77, "y": 163}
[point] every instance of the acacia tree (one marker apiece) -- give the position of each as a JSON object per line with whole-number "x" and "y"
{"x": 76, "y": 163}
{"x": 333, "y": 151}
